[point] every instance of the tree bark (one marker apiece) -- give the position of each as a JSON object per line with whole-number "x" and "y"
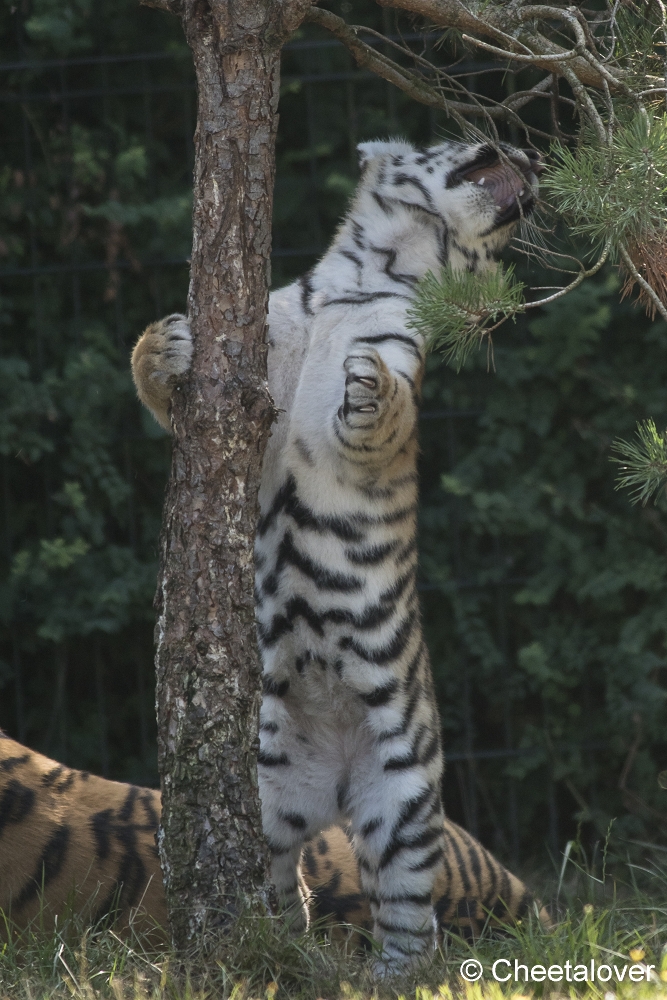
{"x": 208, "y": 672}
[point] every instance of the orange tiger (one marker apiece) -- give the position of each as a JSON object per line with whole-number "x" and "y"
{"x": 73, "y": 841}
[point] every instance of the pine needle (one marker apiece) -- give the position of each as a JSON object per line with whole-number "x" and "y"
{"x": 457, "y": 310}
{"x": 643, "y": 462}
{"x": 617, "y": 191}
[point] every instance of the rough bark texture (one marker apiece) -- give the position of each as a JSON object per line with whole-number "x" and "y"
{"x": 208, "y": 672}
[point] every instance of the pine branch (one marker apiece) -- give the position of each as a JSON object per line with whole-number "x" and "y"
{"x": 505, "y": 25}
{"x": 415, "y": 84}
{"x": 643, "y": 462}
{"x": 456, "y": 311}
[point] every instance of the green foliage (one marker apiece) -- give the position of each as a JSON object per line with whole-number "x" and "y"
{"x": 613, "y": 192}
{"x": 546, "y": 590}
{"x": 103, "y": 183}
{"x": 456, "y": 311}
{"x": 643, "y": 461}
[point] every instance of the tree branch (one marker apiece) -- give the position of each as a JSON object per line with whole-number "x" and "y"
{"x": 505, "y": 25}
{"x": 171, "y": 6}
{"x": 411, "y": 83}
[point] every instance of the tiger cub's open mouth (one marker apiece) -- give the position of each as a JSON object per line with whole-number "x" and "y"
{"x": 511, "y": 182}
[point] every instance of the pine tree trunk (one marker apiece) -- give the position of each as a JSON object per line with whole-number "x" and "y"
{"x": 208, "y": 672}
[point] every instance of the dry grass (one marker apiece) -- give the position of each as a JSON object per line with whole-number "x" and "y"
{"x": 597, "y": 918}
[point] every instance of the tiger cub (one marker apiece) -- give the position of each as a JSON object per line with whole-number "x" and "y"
{"x": 349, "y": 725}
{"x": 71, "y": 841}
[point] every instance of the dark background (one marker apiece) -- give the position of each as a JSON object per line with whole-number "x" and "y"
{"x": 543, "y": 589}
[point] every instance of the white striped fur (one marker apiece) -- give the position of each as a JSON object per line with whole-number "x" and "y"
{"x": 349, "y": 728}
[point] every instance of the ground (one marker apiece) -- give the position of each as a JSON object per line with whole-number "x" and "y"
{"x": 258, "y": 960}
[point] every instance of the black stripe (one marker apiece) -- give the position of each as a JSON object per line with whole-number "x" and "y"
{"x": 51, "y": 776}
{"x": 284, "y": 494}
{"x": 66, "y": 783}
{"x": 461, "y": 866}
{"x": 373, "y": 824}
{"x": 373, "y": 555}
{"x": 402, "y": 729}
{"x": 390, "y": 254}
{"x": 382, "y": 338}
{"x": 430, "y": 751}
{"x": 276, "y": 850}
{"x": 127, "y": 808}
{"x": 16, "y": 803}
{"x": 382, "y": 203}
{"x": 358, "y": 235}
{"x": 474, "y": 857}
{"x": 268, "y": 727}
{"x": 277, "y": 688}
{"x": 410, "y": 809}
{"x": 351, "y": 256}
{"x": 402, "y": 763}
{"x": 375, "y": 492}
{"x": 505, "y": 890}
{"x": 381, "y": 695}
{"x": 362, "y": 298}
{"x": 131, "y": 875}
{"x": 148, "y": 802}
{"x": 298, "y": 607}
{"x": 342, "y": 792}
{"x": 396, "y": 845}
{"x": 324, "y": 579}
{"x": 366, "y": 449}
{"x": 305, "y": 281}
{"x": 524, "y": 904}
{"x": 492, "y": 873}
{"x": 270, "y": 760}
{"x": 286, "y": 500}
{"x": 9, "y": 763}
{"x": 295, "y": 820}
{"x": 403, "y": 929}
{"x": 411, "y": 672}
{"x": 391, "y": 651}
{"x": 102, "y": 829}
{"x": 409, "y": 549}
{"x": 347, "y": 527}
{"x": 402, "y": 179}
{"x": 398, "y": 587}
{"x": 48, "y": 867}
{"x": 430, "y": 861}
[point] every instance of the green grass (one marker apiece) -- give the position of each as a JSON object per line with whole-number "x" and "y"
{"x": 604, "y": 919}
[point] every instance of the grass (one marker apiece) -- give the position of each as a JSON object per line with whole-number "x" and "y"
{"x": 609, "y": 921}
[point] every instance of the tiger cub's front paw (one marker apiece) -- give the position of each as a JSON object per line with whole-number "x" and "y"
{"x": 160, "y": 358}
{"x": 367, "y": 390}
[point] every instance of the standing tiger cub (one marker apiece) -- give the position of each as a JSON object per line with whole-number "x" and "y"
{"x": 349, "y": 725}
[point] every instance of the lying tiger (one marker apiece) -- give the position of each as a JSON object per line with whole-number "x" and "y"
{"x": 69, "y": 840}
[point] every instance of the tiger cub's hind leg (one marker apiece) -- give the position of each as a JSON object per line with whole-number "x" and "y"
{"x": 398, "y": 840}
{"x": 290, "y": 886}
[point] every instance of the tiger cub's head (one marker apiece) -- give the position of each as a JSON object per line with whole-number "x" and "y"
{"x": 474, "y": 193}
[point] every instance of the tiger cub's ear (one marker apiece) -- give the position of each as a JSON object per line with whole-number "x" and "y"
{"x": 369, "y": 151}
